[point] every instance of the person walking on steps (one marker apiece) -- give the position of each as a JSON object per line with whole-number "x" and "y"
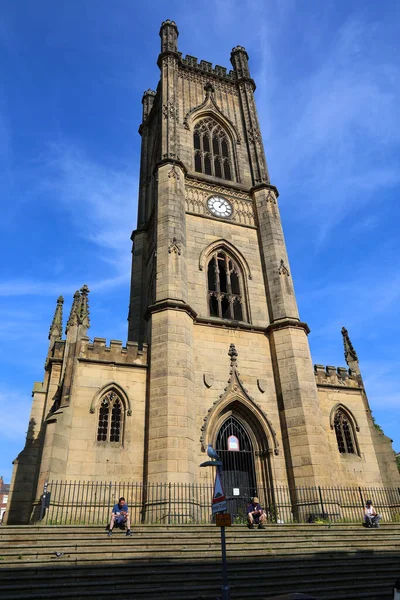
{"x": 256, "y": 515}
{"x": 120, "y": 517}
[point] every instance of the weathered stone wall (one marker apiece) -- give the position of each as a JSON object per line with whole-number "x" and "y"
{"x": 372, "y": 463}
{"x": 101, "y": 368}
{"x": 213, "y": 371}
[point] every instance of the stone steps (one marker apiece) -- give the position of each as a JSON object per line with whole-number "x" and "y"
{"x": 183, "y": 562}
{"x": 129, "y": 590}
{"x": 163, "y": 573}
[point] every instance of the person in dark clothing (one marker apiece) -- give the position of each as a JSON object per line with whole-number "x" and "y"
{"x": 120, "y": 516}
{"x": 256, "y": 515}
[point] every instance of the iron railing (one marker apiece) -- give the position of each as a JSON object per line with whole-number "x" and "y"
{"x": 91, "y": 502}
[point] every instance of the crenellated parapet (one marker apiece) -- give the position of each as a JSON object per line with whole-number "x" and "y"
{"x": 336, "y": 376}
{"x": 98, "y": 351}
{"x": 205, "y": 67}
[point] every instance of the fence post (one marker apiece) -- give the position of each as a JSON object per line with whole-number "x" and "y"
{"x": 361, "y": 496}
{"x": 322, "y": 504}
{"x": 169, "y": 503}
{"x": 109, "y": 499}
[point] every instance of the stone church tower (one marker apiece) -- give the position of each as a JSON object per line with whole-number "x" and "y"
{"x": 216, "y": 351}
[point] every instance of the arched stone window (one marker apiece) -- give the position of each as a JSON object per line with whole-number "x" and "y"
{"x": 225, "y": 287}
{"x": 345, "y": 435}
{"x": 211, "y": 149}
{"x": 111, "y": 415}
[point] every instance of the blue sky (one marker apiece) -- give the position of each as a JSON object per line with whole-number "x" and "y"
{"x": 328, "y": 95}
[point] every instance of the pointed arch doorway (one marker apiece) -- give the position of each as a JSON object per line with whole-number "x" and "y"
{"x": 246, "y": 461}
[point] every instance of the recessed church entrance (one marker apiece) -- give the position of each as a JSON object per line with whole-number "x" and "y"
{"x": 235, "y": 447}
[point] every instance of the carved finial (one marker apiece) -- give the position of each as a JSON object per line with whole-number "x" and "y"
{"x": 149, "y": 92}
{"x": 209, "y": 89}
{"x": 233, "y": 354}
{"x": 72, "y": 319}
{"x": 350, "y": 354}
{"x": 79, "y": 314}
{"x": 56, "y": 325}
{"x": 83, "y": 315}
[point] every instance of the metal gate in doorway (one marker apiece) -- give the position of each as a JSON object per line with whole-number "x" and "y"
{"x": 235, "y": 448}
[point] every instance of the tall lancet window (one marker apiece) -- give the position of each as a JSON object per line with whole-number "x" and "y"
{"x": 110, "y": 425}
{"x": 211, "y": 149}
{"x": 225, "y": 288}
{"x": 345, "y": 436}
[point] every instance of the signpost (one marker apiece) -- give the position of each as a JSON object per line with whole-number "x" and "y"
{"x": 219, "y": 501}
{"x": 222, "y": 519}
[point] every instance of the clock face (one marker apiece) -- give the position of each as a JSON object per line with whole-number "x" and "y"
{"x": 219, "y": 206}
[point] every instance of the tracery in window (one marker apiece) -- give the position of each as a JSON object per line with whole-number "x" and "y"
{"x": 225, "y": 288}
{"x": 344, "y": 433}
{"x": 211, "y": 149}
{"x": 110, "y": 419}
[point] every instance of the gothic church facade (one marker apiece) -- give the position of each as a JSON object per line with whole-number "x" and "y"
{"x": 216, "y": 351}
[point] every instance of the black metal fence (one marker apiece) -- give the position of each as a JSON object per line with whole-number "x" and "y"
{"x": 91, "y": 502}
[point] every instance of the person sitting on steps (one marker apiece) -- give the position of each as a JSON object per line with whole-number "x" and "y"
{"x": 256, "y": 515}
{"x": 120, "y": 516}
{"x": 371, "y": 517}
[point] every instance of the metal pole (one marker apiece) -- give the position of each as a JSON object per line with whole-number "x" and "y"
{"x": 361, "y": 496}
{"x": 322, "y": 504}
{"x": 226, "y": 594}
{"x": 169, "y": 503}
{"x": 225, "y": 585}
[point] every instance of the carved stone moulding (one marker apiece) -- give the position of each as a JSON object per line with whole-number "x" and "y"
{"x": 283, "y": 270}
{"x": 208, "y": 379}
{"x": 170, "y": 111}
{"x": 202, "y": 78}
{"x": 174, "y": 173}
{"x": 262, "y": 385}
{"x": 174, "y": 248}
{"x": 269, "y": 197}
{"x": 236, "y": 391}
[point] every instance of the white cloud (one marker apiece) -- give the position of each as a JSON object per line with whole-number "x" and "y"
{"x": 330, "y": 130}
{"x": 100, "y": 203}
{"x": 26, "y": 287}
{"x": 100, "y": 200}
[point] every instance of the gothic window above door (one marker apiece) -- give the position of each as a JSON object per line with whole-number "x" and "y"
{"x": 212, "y": 155}
{"x": 225, "y": 287}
